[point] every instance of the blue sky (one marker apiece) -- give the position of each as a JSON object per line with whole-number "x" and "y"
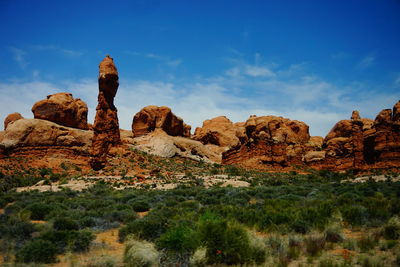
{"x": 313, "y": 61}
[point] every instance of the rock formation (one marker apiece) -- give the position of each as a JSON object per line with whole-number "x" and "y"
{"x": 62, "y": 109}
{"x": 152, "y": 117}
{"x": 106, "y": 126}
{"x": 11, "y": 118}
{"x": 220, "y": 131}
{"x": 270, "y": 141}
{"x": 344, "y": 144}
{"x": 387, "y": 137}
{"x": 34, "y": 133}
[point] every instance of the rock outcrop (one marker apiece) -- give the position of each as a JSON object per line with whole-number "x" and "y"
{"x": 270, "y": 141}
{"x": 161, "y": 144}
{"x": 106, "y": 126}
{"x": 34, "y": 133}
{"x": 62, "y": 109}
{"x": 387, "y": 137}
{"x": 153, "y": 117}
{"x": 11, "y": 118}
{"x": 344, "y": 144}
{"x": 220, "y": 131}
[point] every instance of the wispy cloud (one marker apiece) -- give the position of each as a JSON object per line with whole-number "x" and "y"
{"x": 67, "y": 52}
{"x": 19, "y": 57}
{"x": 366, "y": 62}
{"x": 257, "y": 71}
{"x": 167, "y": 60}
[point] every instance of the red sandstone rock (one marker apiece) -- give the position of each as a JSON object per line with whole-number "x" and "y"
{"x": 153, "y": 117}
{"x": 11, "y": 118}
{"x": 220, "y": 131}
{"x": 62, "y": 109}
{"x": 106, "y": 126}
{"x": 271, "y": 141}
{"x": 396, "y": 112}
{"x": 387, "y": 137}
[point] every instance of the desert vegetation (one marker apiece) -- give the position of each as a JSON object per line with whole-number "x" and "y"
{"x": 280, "y": 219}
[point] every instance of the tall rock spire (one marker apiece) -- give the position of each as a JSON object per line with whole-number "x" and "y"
{"x": 106, "y": 127}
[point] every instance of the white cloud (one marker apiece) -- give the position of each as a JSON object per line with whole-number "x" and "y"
{"x": 256, "y": 71}
{"x": 19, "y": 57}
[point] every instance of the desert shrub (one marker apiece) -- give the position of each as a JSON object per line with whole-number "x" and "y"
{"x": 39, "y": 210}
{"x": 37, "y": 250}
{"x": 355, "y": 214}
{"x": 370, "y": 261}
{"x": 334, "y": 234}
{"x": 140, "y": 205}
{"x": 65, "y": 223}
{"x": 149, "y": 227}
{"x": 76, "y": 241}
{"x": 81, "y": 240}
{"x": 199, "y": 258}
{"x": 139, "y": 253}
{"x": 178, "y": 244}
{"x": 314, "y": 243}
{"x": 226, "y": 242}
{"x": 367, "y": 242}
{"x": 300, "y": 226}
{"x": 391, "y": 230}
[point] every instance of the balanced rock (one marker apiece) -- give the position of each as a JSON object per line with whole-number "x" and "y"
{"x": 153, "y": 117}
{"x": 219, "y": 131}
{"x": 106, "y": 126}
{"x": 11, "y": 118}
{"x": 63, "y": 109}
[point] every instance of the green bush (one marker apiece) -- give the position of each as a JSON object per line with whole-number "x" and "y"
{"x": 38, "y": 251}
{"x": 391, "y": 230}
{"x": 226, "y": 242}
{"x": 64, "y": 223}
{"x": 39, "y": 210}
{"x": 140, "y": 206}
{"x": 76, "y": 241}
{"x": 149, "y": 227}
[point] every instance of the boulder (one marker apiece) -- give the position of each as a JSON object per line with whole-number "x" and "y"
{"x": 11, "y": 118}
{"x": 219, "y": 131}
{"x": 41, "y": 133}
{"x": 153, "y": 117}
{"x": 106, "y": 125}
{"x": 62, "y": 109}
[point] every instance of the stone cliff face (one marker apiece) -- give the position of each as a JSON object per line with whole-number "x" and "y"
{"x": 152, "y": 117}
{"x": 62, "y": 109}
{"x": 270, "y": 141}
{"x": 359, "y": 144}
{"x": 106, "y": 126}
